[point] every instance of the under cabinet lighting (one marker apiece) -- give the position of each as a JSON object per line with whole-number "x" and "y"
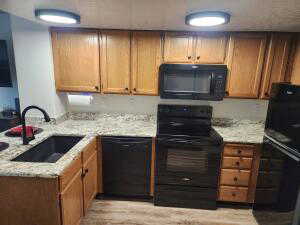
{"x": 57, "y": 16}
{"x": 207, "y": 18}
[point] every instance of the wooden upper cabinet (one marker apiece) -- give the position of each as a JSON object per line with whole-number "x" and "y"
{"x": 245, "y": 61}
{"x": 295, "y": 65}
{"x": 276, "y": 62}
{"x": 145, "y": 62}
{"x": 178, "y": 47}
{"x": 76, "y": 60}
{"x": 210, "y": 48}
{"x": 115, "y": 62}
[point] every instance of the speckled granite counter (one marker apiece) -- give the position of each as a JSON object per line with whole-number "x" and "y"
{"x": 243, "y": 131}
{"x": 116, "y": 125}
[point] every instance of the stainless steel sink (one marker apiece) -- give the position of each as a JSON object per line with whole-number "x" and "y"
{"x": 50, "y": 150}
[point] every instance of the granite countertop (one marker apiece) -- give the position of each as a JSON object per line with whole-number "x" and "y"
{"x": 243, "y": 131}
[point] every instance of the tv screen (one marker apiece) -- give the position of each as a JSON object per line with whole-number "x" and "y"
{"x": 5, "y": 80}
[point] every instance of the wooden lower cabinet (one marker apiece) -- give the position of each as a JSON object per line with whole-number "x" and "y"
{"x": 90, "y": 184}
{"x": 239, "y": 171}
{"x": 72, "y": 201}
{"x": 233, "y": 194}
{"x": 235, "y": 177}
{"x": 29, "y": 200}
{"x": 51, "y": 201}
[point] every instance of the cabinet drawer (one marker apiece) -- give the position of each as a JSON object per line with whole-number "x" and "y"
{"x": 69, "y": 173}
{"x": 233, "y": 194}
{"x": 235, "y": 177}
{"x": 239, "y": 150}
{"x": 236, "y": 163}
{"x": 187, "y": 197}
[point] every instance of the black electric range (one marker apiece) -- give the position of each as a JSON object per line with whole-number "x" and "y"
{"x": 188, "y": 153}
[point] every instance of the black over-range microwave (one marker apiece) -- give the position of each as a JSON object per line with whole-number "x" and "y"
{"x": 192, "y": 81}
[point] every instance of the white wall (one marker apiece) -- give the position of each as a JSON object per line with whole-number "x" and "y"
{"x": 34, "y": 66}
{"x": 8, "y": 94}
{"x": 229, "y": 108}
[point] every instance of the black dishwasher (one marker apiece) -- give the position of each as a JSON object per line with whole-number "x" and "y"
{"x": 126, "y": 166}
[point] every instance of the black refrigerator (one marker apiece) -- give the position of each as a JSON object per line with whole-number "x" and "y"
{"x": 277, "y": 199}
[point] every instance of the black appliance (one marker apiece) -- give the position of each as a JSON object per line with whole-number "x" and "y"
{"x": 126, "y": 166}
{"x": 278, "y": 184}
{"x": 5, "y": 79}
{"x": 192, "y": 81}
{"x": 188, "y": 153}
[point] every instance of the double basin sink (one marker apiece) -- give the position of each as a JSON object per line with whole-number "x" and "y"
{"x": 50, "y": 150}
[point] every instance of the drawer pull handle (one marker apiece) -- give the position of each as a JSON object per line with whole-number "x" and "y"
{"x": 235, "y": 179}
{"x": 185, "y": 179}
{"x": 239, "y": 151}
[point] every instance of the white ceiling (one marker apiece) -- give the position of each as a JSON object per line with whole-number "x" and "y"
{"x": 247, "y": 15}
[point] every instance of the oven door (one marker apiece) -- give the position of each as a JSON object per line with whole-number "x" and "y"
{"x": 183, "y": 161}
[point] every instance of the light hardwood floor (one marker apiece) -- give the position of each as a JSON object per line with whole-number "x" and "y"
{"x": 107, "y": 212}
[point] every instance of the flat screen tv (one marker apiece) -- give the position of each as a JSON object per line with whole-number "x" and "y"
{"x": 5, "y": 79}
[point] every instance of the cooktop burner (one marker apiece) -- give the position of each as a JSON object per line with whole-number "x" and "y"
{"x": 3, "y": 146}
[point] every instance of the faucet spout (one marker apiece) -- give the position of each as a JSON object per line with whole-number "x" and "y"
{"x": 23, "y": 121}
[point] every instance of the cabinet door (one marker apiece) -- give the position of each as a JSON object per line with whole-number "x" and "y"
{"x": 72, "y": 201}
{"x": 210, "y": 48}
{"x": 115, "y": 61}
{"x": 276, "y": 62}
{"x": 145, "y": 62}
{"x": 76, "y": 60}
{"x": 245, "y": 60}
{"x": 178, "y": 47}
{"x": 295, "y": 70}
{"x": 90, "y": 184}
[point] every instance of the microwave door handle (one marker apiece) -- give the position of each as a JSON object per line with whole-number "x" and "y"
{"x": 212, "y": 82}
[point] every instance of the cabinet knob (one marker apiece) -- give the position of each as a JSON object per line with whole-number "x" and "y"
{"x": 126, "y": 89}
{"x": 239, "y": 151}
{"x": 134, "y": 89}
{"x": 233, "y": 194}
{"x": 198, "y": 57}
{"x": 189, "y": 57}
{"x": 237, "y": 163}
{"x": 86, "y": 171}
{"x": 235, "y": 179}
{"x": 186, "y": 179}
{"x": 267, "y": 94}
{"x": 226, "y": 93}
{"x": 96, "y": 87}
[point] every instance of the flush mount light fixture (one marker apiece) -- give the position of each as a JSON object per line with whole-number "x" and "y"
{"x": 57, "y": 16}
{"x": 207, "y": 18}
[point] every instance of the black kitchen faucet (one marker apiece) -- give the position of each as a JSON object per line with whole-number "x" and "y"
{"x": 24, "y": 134}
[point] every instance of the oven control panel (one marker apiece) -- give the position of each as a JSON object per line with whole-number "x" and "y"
{"x": 203, "y": 111}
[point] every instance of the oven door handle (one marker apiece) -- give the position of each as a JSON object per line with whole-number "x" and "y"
{"x": 175, "y": 141}
{"x": 277, "y": 145}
